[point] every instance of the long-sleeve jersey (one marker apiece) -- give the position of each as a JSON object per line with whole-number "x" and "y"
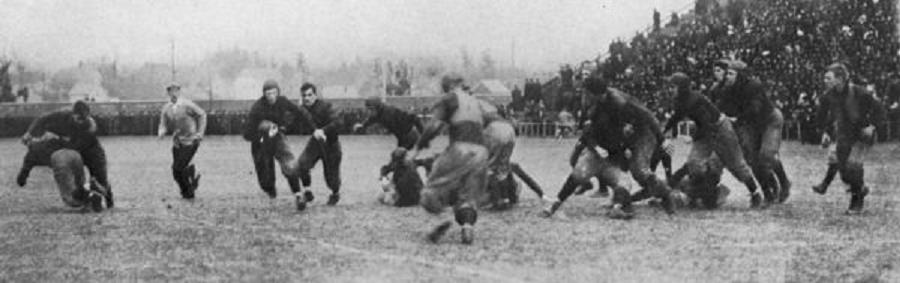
{"x": 746, "y": 100}
{"x": 610, "y": 116}
{"x": 693, "y": 105}
{"x": 851, "y": 107}
{"x": 184, "y": 119}
{"x": 282, "y": 113}
{"x": 324, "y": 117}
{"x": 396, "y": 121}
{"x": 79, "y": 136}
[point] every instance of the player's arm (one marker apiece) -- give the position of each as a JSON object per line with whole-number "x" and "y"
{"x": 40, "y": 127}
{"x": 387, "y": 169}
{"x": 441, "y": 112}
{"x": 754, "y": 104}
{"x": 823, "y": 116}
{"x": 331, "y": 128}
{"x": 251, "y": 130}
{"x": 161, "y": 130}
{"x": 417, "y": 123}
{"x": 876, "y": 115}
{"x": 516, "y": 169}
{"x": 300, "y": 114}
{"x": 200, "y": 116}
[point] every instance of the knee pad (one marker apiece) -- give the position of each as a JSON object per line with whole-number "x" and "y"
{"x": 466, "y": 215}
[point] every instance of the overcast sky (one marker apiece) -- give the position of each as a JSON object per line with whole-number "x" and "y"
{"x": 59, "y": 33}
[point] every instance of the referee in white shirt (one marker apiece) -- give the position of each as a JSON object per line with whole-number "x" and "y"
{"x": 187, "y": 123}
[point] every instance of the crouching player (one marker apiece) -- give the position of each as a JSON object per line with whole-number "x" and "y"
{"x": 68, "y": 171}
{"x": 500, "y": 139}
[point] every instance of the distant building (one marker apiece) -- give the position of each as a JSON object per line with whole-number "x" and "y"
{"x": 491, "y": 87}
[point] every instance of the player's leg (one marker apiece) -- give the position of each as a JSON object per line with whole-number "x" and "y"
{"x": 727, "y": 148}
{"x": 830, "y": 172}
{"x": 181, "y": 159}
{"x": 264, "y": 163}
{"x": 853, "y": 174}
{"x": 95, "y": 160}
{"x": 68, "y": 171}
{"x": 331, "y": 164}
{"x": 639, "y": 165}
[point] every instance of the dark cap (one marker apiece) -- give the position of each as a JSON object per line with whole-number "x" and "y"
{"x": 450, "y": 81}
{"x": 270, "y": 84}
{"x": 722, "y": 63}
{"x": 679, "y": 79}
{"x": 173, "y": 87}
{"x": 81, "y": 108}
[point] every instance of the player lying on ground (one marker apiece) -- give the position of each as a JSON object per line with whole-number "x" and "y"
{"x": 400, "y": 181}
{"x": 620, "y": 156}
{"x": 697, "y": 187}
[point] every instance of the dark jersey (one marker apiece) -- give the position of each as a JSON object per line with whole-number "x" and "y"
{"x": 283, "y": 112}
{"x": 851, "y": 108}
{"x": 62, "y": 123}
{"x": 610, "y": 116}
{"x": 323, "y": 116}
{"x": 746, "y": 100}
{"x": 693, "y": 105}
{"x": 396, "y": 121}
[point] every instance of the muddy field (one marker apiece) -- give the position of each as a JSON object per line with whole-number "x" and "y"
{"x": 232, "y": 232}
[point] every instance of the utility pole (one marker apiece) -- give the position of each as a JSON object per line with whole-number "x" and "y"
{"x": 173, "y": 60}
{"x": 512, "y": 54}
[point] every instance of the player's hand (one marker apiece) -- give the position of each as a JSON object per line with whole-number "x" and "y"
{"x": 602, "y": 152}
{"x": 385, "y": 182}
{"x": 49, "y": 136}
{"x": 198, "y": 137}
{"x": 868, "y": 133}
{"x": 319, "y": 134}
{"x": 26, "y": 138}
{"x": 273, "y": 131}
{"x": 826, "y": 140}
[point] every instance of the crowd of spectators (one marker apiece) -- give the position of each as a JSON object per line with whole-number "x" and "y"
{"x": 786, "y": 43}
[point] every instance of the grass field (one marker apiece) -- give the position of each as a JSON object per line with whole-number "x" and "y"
{"x": 232, "y": 232}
